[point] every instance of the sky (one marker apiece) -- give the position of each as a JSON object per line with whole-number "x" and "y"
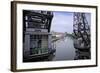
{"x": 63, "y": 21}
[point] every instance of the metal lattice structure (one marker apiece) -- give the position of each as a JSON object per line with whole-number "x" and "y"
{"x": 81, "y": 30}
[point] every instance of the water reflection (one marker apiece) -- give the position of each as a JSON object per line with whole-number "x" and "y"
{"x": 64, "y": 49}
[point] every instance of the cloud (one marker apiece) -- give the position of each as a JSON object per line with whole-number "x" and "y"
{"x": 62, "y": 22}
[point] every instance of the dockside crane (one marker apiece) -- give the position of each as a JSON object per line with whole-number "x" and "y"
{"x": 81, "y": 30}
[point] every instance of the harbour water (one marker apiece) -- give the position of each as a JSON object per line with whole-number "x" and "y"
{"x": 64, "y": 49}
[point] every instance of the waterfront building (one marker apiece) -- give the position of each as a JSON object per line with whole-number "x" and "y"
{"x": 36, "y": 32}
